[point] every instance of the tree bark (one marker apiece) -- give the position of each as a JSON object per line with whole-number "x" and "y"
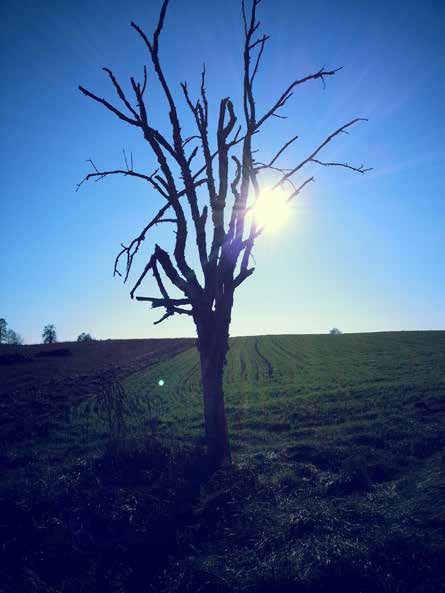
{"x": 213, "y": 342}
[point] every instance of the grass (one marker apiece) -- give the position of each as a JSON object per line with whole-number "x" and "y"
{"x": 290, "y": 391}
{"x": 337, "y": 483}
{"x": 42, "y": 399}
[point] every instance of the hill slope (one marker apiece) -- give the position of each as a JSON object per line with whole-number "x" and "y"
{"x": 40, "y": 384}
{"x": 343, "y": 437}
{"x": 337, "y": 483}
{"x": 284, "y": 388}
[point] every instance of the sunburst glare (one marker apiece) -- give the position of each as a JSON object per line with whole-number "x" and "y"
{"x": 271, "y": 210}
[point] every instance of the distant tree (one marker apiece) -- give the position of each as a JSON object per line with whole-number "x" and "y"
{"x": 49, "y": 335}
{"x": 84, "y": 337}
{"x": 210, "y": 177}
{"x": 335, "y": 331}
{"x": 3, "y": 330}
{"x": 13, "y": 337}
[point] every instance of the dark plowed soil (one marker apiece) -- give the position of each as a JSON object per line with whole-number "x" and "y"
{"x": 38, "y": 383}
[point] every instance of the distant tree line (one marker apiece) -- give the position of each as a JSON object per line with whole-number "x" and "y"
{"x": 49, "y": 334}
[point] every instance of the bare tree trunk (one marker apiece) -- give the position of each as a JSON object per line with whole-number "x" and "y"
{"x": 213, "y": 341}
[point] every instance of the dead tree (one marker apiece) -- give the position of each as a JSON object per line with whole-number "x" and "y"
{"x": 231, "y": 177}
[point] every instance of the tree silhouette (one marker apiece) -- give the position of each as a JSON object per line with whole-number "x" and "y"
{"x": 12, "y": 337}
{"x": 49, "y": 335}
{"x": 85, "y": 337}
{"x": 8, "y": 335}
{"x": 224, "y": 232}
{"x": 3, "y": 330}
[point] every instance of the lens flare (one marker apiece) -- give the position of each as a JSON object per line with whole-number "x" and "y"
{"x": 161, "y": 382}
{"x": 271, "y": 210}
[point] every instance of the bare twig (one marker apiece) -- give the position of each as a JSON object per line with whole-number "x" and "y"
{"x": 319, "y": 148}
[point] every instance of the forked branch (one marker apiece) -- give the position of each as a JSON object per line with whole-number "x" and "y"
{"x": 311, "y": 158}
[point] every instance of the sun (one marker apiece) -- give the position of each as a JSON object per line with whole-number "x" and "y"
{"x": 271, "y": 210}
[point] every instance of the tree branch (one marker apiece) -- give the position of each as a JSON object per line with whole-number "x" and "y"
{"x": 317, "y": 150}
{"x": 360, "y": 169}
{"x": 278, "y": 154}
{"x": 98, "y": 175}
{"x": 177, "y": 140}
{"x": 157, "y": 302}
{"x": 288, "y": 92}
{"x": 120, "y": 92}
{"x": 110, "y": 107}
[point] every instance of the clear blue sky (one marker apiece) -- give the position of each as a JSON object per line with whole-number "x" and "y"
{"x": 360, "y": 252}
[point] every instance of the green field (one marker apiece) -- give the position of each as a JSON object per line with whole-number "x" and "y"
{"x": 323, "y": 395}
{"x": 338, "y": 481}
{"x": 354, "y": 422}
